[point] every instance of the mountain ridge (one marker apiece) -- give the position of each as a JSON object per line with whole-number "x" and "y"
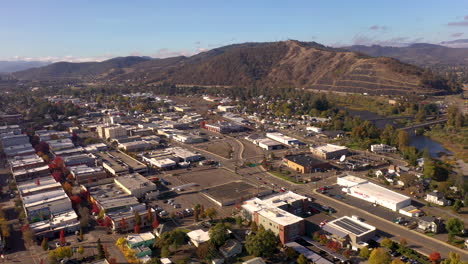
{"x": 292, "y": 63}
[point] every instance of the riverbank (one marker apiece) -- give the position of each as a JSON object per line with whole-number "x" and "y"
{"x": 455, "y": 140}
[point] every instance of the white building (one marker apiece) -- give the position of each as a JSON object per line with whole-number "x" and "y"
{"x": 382, "y": 148}
{"x": 268, "y": 144}
{"x": 198, "y": 237}
{"x": 314, "y": 129}
{"x": 283, "y": 139}
{"x": 227, "y": 108}
{"x": 373, "y": 193}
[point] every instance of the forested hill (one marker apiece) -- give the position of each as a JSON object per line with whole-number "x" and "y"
{"x": 285, "y": 64}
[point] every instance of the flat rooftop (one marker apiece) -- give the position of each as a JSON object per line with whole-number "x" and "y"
{"x": 379, "y": 192}
{"x": 25, "y": 161}
{"x": 137, "y": 238}
{"x": 268, "y": 142}
{"x": 304, "y": 160}
{"x": 112, "y": 162}
{"x": 111, "y": 196}
{"x": 32, "y": 186}
{"x": 281, "y": 199}
{"x": 329, "y": 148}
{"x": 350, "y": 226}
{"x": 234, "y": 190}
{"x": 134, "y": 181}
{"x": 84, "y": 169}
{"x": 135, "y": 164}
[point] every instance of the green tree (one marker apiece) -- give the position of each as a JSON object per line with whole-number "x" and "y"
{"x": 263, "y": 243}
{"x": 364, "y": 253}
{"x": 379, "y": 256}
{"x": 80, "y": 250}
{"x": 218, "y": 234}
{"x": 403, "y": 139}
{"x": 239, "y": 221}
{"x": 45, "y": 244}
{"x": 454, "y": 258}
{"x": 290, "y": 253}
{"x": 387, "y": 243}
{"x": 388, "y": 135}
{"x": 206, "y": 251}
{"x": 137, "y": 218}
{"x": 211, "y": 213}
{"x": 301, "y": 259}
{"x": 253, "y": 227}
{"x": 457, "y": 205}
{"x": 454, "y": 226}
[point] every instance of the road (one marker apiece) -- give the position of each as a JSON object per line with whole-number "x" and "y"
{"x": 417, "y": 241}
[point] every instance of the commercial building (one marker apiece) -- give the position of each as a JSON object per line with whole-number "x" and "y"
{"x": 46, "y": 135}
{"x": 39, "y": 185}
{"x": 25, "y": 162}
{"x": 69, "y": 152}
{"x": 118, "y": 163}
{"x": 10, "y": 129}
{"x": 135, "y": 146}
{"x": 283, "y": 139}
{"x": 132, "y": 164}
{"x": 31, "y": 173}
{"x": 111, "y": 131}
{"x": 80, "y": 159}
{"x": 40, "y": 206}
{"x": 18, "y": 150}
{"x": 373, "y": 193}
{"x": 227, "y": 108}
{"x": 85, "y": 174}
{"x": 223, "y": 127}
{"x": 188, "y": 138}
{"x": 144, "y": 239}
{"x": 277, "y": 213}
{"x": 135, "y": 184}
{"x": 141, "y": 132}
{"x": 314, "y": 129}
{"x": 268, "y": 144}
{"x": 12, "y": 140}
{"x": 185, "y": 155}
{"x": 52, "y": 226}
{"x": 329, "y": 151}
{"x": 98, "y": 147}
{"x": 285, "y": 225}
{"x": 349, "y": 231}
{"x": 128, "y": 214}
{"x": 111, "y": 198}
{"x": 382, "y": 148}
{"x": 60, "y": 144}
{"x": 305, "y": 164}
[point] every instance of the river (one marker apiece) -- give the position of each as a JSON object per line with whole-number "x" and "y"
{"x": 418, "y": 141}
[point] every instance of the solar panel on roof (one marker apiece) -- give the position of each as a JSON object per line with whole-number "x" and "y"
{"x": 351, "y": 226}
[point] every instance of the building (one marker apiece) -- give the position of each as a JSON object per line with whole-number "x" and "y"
{"x": 278, "y": 214}
{"x": 135, "y": 146}
{"x": 411, "y": 211}
{"x": 185, "y": 155}
{"x": 60, "y": 144}
{"x": 329, "y": 151}
{"x": 141, "y": 132}
{"x": 39, "y": 185}
{"x": 52, "y": 226}
{"x": 135, "y": 184}
{"x": 182, "y": 109}
{"x": 69, "y": 152}
{"x": 231, "y": 248}
{"x": 85, "y": 174}
{"x": 268, "y": 144}
{"x": 438, "y": 198}
{"x": 314, "y": 129}
{"x": 373, "y": 193}
{"x": 12, "y": 140}
{"x": 382, "y": 148}
{"x": 119, "y": 163}
{"x": 430, "y": 224}
{"x": 111, "y": 198}
{"x": 305, "y": 163}
{"x": 349, "y": 231}
{"x": 42, "y": 205}
{"x": 198, "y": 237}
{"x": 19, "y": 150}
{"x": 227, "y": 108}
{"x": 188, "y": 138}
{"x": 31, "y": 173}
{"x": 80, "y": 159}
{"x": 144, "y": 239}
{"x": 128, "y": 214}
{"x": 223, "y": 127}
{"x": 25, "y": 162}
{"x": 283, "y": 139}
{"x": 106, "y": 132}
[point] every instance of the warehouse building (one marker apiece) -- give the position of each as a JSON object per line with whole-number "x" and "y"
{"x": 329, "y": 151}
{"x": 348, "y": 231}
{"x": 135, "y": 146}
{"x": 80, "y": 159}
{"x": 111, "y": 198}
{"x": 283, "y": 139}
{"x": 382, "y": 148}
{"x": 268, "y": 144}
{"x": 39, "y": 185}
{"x": 19, "y": 150}
{"x": 373, "y": 193}
{"x": 60, "y": 144}
{"x": 223, "y": 127}
{"x": 305, "y": 163}
{"x": 31, "y": 173}
{"x": 41, "y": 205}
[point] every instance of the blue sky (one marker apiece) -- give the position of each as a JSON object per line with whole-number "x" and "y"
{"x": 78, "y": 30}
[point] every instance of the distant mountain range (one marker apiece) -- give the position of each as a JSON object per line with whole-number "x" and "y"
{"x": 421, "y": 54}
{"x": 307, "y": 65}
{"x": 19, "y": 65}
